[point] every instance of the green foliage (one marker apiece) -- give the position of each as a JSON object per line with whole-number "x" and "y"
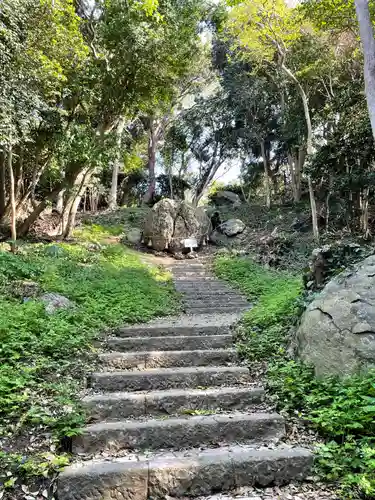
{"x": 265, "y": 326}
{"x": 342, "y": 411}
{"x": 43, "y": 357}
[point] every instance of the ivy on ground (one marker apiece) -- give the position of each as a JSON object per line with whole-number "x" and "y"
{"x": 43, "y": 358}
{"x": 342, "y": 411}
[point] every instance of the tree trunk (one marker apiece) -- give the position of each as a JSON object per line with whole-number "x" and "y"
{"x": 365, "y": 213}
{"x": 368, "y": 44}
{"x": 13, "y": 214}
{"x": 74, "y": 204}
{"x": 60, "y": 201}
{"x": 27, "y": 223}
{"x": 116, "y": 166}
{"x": 266, "y": 177}
{"x": 309, "y": 148}
{"x": 152, "y": 147}
{"x": 2, "y": 184}
{"x": 19, "y": 177}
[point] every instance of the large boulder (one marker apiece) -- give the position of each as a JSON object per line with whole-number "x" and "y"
{"x": 226, "y": 198}
{"x": 159, "y": 225}
{"x": 232, "y": 227}
{"x": 337, "y": 331}
{"x": 170, "y": 223}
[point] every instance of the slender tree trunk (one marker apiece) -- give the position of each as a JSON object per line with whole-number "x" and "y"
{"x": 368, "y": 43}
{"x": 75, "y": 203}
{"x": 365, "y": 212}
{"x": 2, "y": 184}
{"x": 328, "y": 197}
{"x": 266, "y": 177}
{"x": 13, "y": 214}
{"x": 19, "y": 177}
{"x": 309, "y": 147}
{"x": 152, "y": 147}
{"x": 116, "y": 165}
{"x": 27, "y": 223}
{"x": 207, "y": 178}
{"x": 60, "y": 201}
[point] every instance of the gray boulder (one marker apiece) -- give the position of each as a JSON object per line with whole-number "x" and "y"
{"x": 171, "y": 222}
{"x": 337, "y": 331}
{"x": 227, "y": 198}
{"x": 134, "y": 236}
{"x": 232, "y": 227}
{"x": 159, "y": 225}
{"x": 54, "y": 302}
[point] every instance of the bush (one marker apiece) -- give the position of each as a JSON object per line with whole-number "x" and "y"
{"x": 265, "y": 327}
{"x": 342, "y": 411}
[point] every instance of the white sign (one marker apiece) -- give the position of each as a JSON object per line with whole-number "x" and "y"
{"x": 191, "y": 243}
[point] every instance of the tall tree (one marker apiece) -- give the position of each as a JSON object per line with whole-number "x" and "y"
{"x": 368, "y": 43}
{"x": 266, "y": 30}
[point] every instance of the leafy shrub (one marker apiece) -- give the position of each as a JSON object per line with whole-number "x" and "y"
{"x": 342, "y": 411}
{"x": 43, "y": 357}
{"x": 266, "y": 325}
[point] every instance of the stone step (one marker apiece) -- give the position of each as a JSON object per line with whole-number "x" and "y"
{"x": 199, "y": 280}
{"x": 180, "y": 343}
{"x": 166, "y": 359}
{"x": 191, "y": 272}
{"x": 214, "y": 310}
{"x": 194, "y": 285}
{"x": 122, "y": 405}
{"x": 200, "y": 472}
{"x": 169, "y": 378}
{"x": 186, "y": 265}
{"x": 215, "y": 301}
{"x": 172, "y": 331}
{"x": 210, "y": 293}
{"x": 180, "y": 432}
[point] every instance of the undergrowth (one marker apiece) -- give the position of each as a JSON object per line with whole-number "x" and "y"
{"x": 43, "y": 357}
{"x": 342, "y": 411}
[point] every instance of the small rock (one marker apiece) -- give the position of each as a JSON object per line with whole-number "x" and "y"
{"x": 94, "y": 247}
{"x": 25, "y": 289}
{"x": 223, "y": 251}
{"x": 134, "y": 236}
{"x": 192, "y": 255}
{"x": 179, "y": 256}
{"x": 54, "y": 301}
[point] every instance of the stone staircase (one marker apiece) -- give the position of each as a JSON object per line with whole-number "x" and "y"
{"x": 174, "y": 415}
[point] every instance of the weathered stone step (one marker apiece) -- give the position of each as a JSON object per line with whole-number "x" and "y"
{"x": 199, "y": 473}
{"x": 209, "y": 285}
{"x": 197, "y": 279}
{"x": 177, "y": 273}
{"x": 181, "y": 343}
{"x": 172, "y": 331}
{"x": 169, "y": 378}
{"x": 117, "y": 406}
{"x": 166, "y": 359}
{"x": 222, "y": 300}
{"x": 180, "y": 432}
{"x": 212, "y": 310}
{"x": 186, "y": 265}
{"x": 210, "y": 293}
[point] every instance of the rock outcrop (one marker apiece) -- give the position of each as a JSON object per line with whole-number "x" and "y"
{"x": 171, "y": 222}
{"x": 337, "y": 331}
{"x": 226, "y": 198}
